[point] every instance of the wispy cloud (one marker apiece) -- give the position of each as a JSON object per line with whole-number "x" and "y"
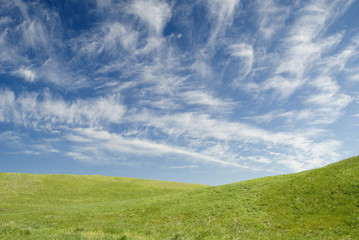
{"x": 272, "y": 17}
{"x": 198, "y": 97}
{"x": 245, "y": 54}
{"x": 303, "y": 46}
{"x": 52, "y": 113}
{"x": 95, "y": 142}
{"x": 222, "y": 12}
{"x": 354, "y": 78}
{"x": 201, "y": 129}
{"x": 154, "y": 13}
{"x": 27, "y": 74}
{"x": 77, "y": 156}
{"x": 328, "y": 103}
{"x": 110, "y": 38}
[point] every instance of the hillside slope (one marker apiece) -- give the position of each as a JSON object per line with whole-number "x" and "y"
{"x": 21, "y": 190}
{"x": 317, "y": 204}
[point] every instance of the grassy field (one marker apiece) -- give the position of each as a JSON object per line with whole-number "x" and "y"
{"x": 317, "y": 204}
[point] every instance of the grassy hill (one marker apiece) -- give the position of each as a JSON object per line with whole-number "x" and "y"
{"x": 317, "y": 204}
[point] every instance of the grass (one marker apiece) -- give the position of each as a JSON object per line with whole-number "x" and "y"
{"x": 317, "y": 204}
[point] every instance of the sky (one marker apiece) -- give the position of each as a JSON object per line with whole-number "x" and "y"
{"x": 197, "y": 91}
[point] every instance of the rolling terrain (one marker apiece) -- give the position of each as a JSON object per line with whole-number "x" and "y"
{"x": 317, "y": 204}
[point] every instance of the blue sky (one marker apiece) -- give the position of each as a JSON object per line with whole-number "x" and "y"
{"x": 209, "y": 92}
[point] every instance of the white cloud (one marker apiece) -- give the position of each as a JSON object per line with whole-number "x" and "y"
{"x": 328, "y": 103}
{"x": 270, "y": 116}
{"x": 271, "y": 17}
{"x": 97, "y": 141}
{"x": 152, "y": 43}
{"x": 35, "y": 34}
{"x": 259, "y": 159}
{"x": 154, "y": 13}
{"x": 284, "y": 87}
{"x": 53, "y": 70}
{"x": 226, "y": 140}
{"x": 93, "y": 111}
{"x": 292, "y": 163}
{"x": 116, "y": 32}
{"x": 302, "y": 48}
{"x": 77, "y": 156}
{"x": 164, "y": 103}
{"x": 246, "y": 55}
{"x": 27, "y": 109}
{"x": 354, "y": 78}
{"x": 29, "y": 152}
{"x": 222, "y": 13}
{"x": 202, "y": 97}
{"x": 111, "y": 38}
{"x": 305, "y": 114}
{"x": 9, "y": 137}
{"x": 202, "y": 126}
{"x": 46, "y": 147}
{"x": 27, "y": 74}
{"x": 159, "y": 77}
{"x": 342, "y": 60}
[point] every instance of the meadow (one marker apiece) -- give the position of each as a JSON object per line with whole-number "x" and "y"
{"x": 317, "y": 204}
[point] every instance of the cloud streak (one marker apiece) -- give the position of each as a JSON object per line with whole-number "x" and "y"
{"x": 95, "y": 142}
{"x": 26, "y": 109}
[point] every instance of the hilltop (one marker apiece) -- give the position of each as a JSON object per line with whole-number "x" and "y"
{"x": 317, "y": 204}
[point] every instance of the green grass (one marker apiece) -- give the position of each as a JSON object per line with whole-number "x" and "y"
{"x": 317, "y": 204}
